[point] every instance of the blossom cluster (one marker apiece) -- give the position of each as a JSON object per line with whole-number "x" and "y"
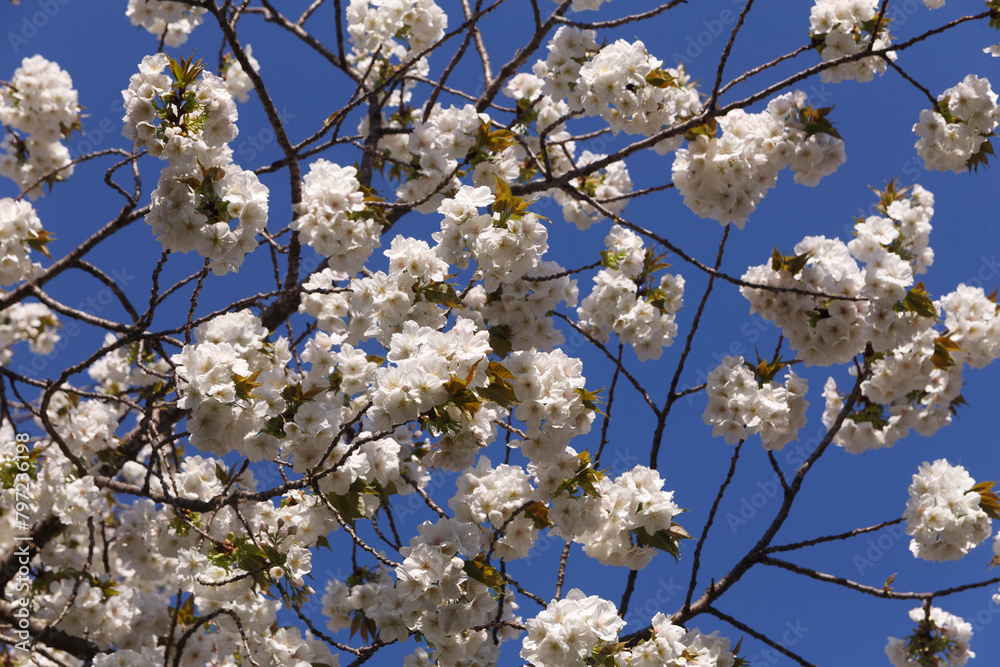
{"x": 187, "y": 117}
{"x": 574, "y": 629}
{"x": 435, "y": 595}
{"x": 231, "y": 379}
{"x": 421, "y": 362}
{"x": 893, "y": 246}
{"x": 20, "y": 228}
{"x": 521, "y": 313}
{"x": 954, "y": 629}
{"x": 626, "y": 87}
{"x": 552, "y": 403}
{"x": 630, "y": 511}
{"x": 331, "y": 217}
{"x": 725, "y": 177}
{"x": 238, "y": 82}
{"x": 920, "y": 381}
{"x": 943, "y": 513}
{"x": 567, "y": 631}
{"x": 628, "y": 298}
{"x": 608, "y": 186}
{"x": 740, "y": 404}
{"x": 843, "y": 28}
{"x": 487, "y": 495}
{"x": 506, "y": 247}
{"x": 392, "y": 28}
{"x": 40, "y": 101}
{"x": 170, "y": 21}
{"x": 568, "y": 49}
{"x": 32, "y": 322}
{"x": 955, "y": 135}
{"x": 434, "y": 149}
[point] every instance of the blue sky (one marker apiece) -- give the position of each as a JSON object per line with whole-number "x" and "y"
{"x": 96, "y": 44}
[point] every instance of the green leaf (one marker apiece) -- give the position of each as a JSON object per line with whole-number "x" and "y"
{"x": 661, "y": 78}
{"x": 590, "y": 399}
{"x": 943, "y": 347}
{"x": 664, "y": 540}
{"x": 501, "y": 394}
{"x": 612, "y": 260}
{"x": 918, "y": 301}
{"x": 791, "y": 263}
{"x": 484, "y": 573}
{"x": 501, "y": 340}
{"x": 981, "y": 157}
{"x": 709, "y": 130}
{"x": 538, "y": 512}
{"x": 983, "y": 487}
{"x": 246, "y": 385}
{"x": 441, "y": 293}
{"x": 39, "y": 240}
{"x": 990, "y": 503}
{"x": 765, "y": 371}
{"x": 816, "y": 121}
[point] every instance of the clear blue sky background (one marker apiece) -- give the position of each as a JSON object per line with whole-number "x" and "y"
{"x": 826, "y": 624}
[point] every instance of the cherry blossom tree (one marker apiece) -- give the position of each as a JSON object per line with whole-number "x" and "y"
{"x": 369, "y": 375}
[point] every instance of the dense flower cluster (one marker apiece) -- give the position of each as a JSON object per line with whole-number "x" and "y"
{"x": 32, "y": 322}
{"x": 381, "y": 303}
{"x": 955, "y": 135}
{"x": 189, "y": 121}
{"x": 568, "y": 49}
{"x": 611, "y": 183}
{"x": 629, "y": 300}
{"x": 435, "y": 596}
{"x": 625, "y": 86}
{"x": 551, "y": 394}
{"x": 843, "y": 28}
{"x": 41, "y": 102}
{"x": 238, "y": 82}
{"x": 521, "y": 312}
{"x": 400, "y": 28}
{"x": 740, "y": 405}
{"x": 973, "y": 323}
{"x": 953, "y": 628}
{"x": 19, "y": 229}
{"x": 893, "y": 247}
{"x": 630, "y": 507}
{"x": 421, "y": 362}
{"x": 170, "y": 21}
{"x": 724, "y": 178}
{"x": 572, "y": 630}
{"x": 331, "y": 217}
{"x": 231, "y": 379}
{"x": 489, "y": 496}
{"x": 567, "y": 631}
{"x": 505, "y": 249}
{"x": 920, "y": 381}
{"x": 436, "y": 145}
{"x": 943, "y": 513}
